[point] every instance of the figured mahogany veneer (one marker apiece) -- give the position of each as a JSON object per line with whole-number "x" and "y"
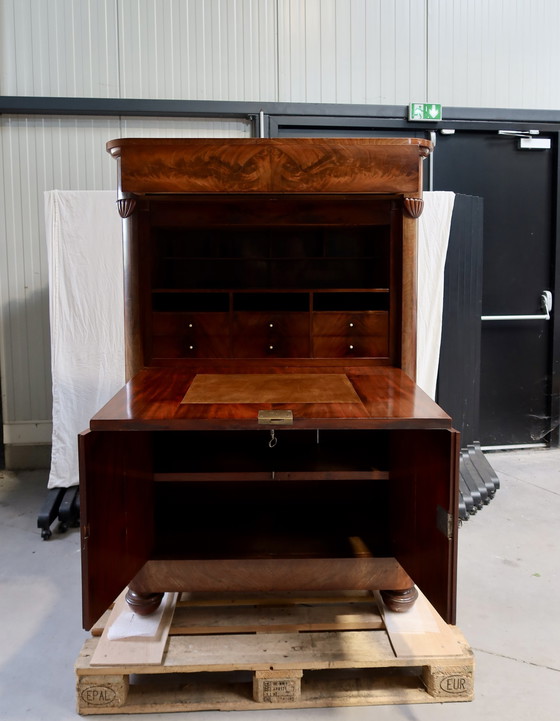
{"x": 259, "y": 166}
{"x": 374, "y": 397}
{"x": 269, "y": 275}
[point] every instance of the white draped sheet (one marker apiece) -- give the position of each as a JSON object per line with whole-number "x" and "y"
{"x": 86, "y": 309}
{"x": 86, "y": 315}
{"x": 433, "y": 238}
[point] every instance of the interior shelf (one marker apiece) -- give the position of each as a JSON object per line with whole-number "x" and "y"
{"x": 253, "y": 545}
{"x": 297, "y": 456}
{"x": 372, "y": 474}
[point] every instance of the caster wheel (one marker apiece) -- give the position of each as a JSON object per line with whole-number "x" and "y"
{"x": 46, "y": 533}
{"x": 62, "y": 528}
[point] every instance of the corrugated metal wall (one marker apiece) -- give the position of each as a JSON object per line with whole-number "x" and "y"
{"x": 37, "y": 155}
{"x": 198, "y": 49}
{"x": 494, "y": 53}
{"x": 479, "y": 53}
{"x": 486, "y": 53}
{"x": 361, "y": 51}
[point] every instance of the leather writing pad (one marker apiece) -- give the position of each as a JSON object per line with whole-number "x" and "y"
{"x": 271, "y": 388}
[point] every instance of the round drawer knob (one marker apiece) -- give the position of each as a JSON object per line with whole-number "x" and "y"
{"x": 351, "y": 347}
{"x": 270, "y": 347}
{"x": 190, "y": 325}
{"x": 271, "y": 325}
{"x": 191, "y": 347}
{"x": 351, "y": 325}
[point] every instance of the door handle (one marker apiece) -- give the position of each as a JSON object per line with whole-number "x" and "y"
{"x": 546, "y": 305}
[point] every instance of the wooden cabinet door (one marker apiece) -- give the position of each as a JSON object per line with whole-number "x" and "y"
{"x": 424, "y": 511}
{"x": 116, "y": 509}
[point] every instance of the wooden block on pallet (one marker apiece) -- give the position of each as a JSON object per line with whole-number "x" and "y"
{"x": 450, "y": 682}
{"x": 99, "y": 692}
{"x": 277, "y": 686}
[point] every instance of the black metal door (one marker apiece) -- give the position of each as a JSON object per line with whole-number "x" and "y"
{"x": 517, "y": 186}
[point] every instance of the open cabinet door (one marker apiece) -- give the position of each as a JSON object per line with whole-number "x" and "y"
{"x": 424, "y": 511}
{"x": 116, "y": 507}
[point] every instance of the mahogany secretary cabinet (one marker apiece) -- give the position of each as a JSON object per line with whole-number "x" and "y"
{"x": 270, "y": 436}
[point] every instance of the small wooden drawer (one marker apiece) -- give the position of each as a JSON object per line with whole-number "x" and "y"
{"x": 277, "y": 335}
{"x": 264, "y": 324}
{"x": 359, "y": 347}
{"x": 174, "y": 346}
{"x": 328, "y": 346}
{"x": 189, "y": 324}
{"x": 190, "y": 335}
{"x": 365, "y": 323}
{"x": 284, "y": 347}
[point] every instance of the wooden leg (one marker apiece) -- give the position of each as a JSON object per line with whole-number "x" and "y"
{"x": 143, "y": 603}
{"x": 400, "y": 601}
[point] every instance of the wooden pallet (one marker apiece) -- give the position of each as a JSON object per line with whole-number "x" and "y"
{"x": 293, "y": 652}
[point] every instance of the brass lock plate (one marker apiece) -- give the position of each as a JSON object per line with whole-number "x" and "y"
{"x": 276, "y": 418}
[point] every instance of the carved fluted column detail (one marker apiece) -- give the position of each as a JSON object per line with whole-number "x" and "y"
{"x": 413, "y": 207}
{"x": 126, "y": 206}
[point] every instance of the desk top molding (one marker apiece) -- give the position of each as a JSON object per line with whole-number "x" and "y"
{"x": 258, "y": 165}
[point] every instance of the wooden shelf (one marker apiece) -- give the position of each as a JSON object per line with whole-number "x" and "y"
{"x": 230, "y": 476}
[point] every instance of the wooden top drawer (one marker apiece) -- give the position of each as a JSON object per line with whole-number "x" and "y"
{"x": 190, "y": 324}
{"x": 267, "y": 324}
{"x": 178, "y": 346}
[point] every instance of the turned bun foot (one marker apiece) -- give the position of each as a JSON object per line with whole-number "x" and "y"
{"x": 143, "y": 603}
{"x": 400, "y": 601}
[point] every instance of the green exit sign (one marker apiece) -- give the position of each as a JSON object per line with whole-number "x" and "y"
{"x": 424, "y": 111}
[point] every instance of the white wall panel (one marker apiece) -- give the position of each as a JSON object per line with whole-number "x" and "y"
{"x": 132, "y": 127}
{"x": 59, "y": 47}
{"x": 198, "y": 49}
{"x": 486, "y": 53}
{"x": 494, "y": 53}
{"x": 351, "y": 51}
{"x": 37, "y": 155}
{"x": 46, "y": 154}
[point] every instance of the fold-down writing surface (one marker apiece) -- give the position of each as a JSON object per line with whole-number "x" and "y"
{"x": 213, "y": 388}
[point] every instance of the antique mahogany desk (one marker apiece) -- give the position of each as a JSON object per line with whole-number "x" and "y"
{"x": 271, "y": 436}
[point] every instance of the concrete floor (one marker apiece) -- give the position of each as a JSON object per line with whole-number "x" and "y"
{"x": 509, "y": 586}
